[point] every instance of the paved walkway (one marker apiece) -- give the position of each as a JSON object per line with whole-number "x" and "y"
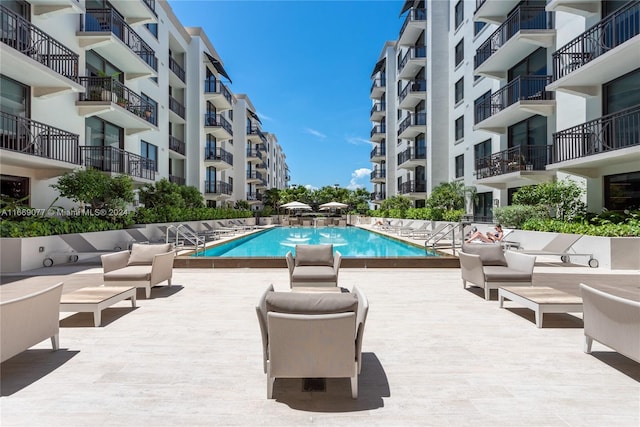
{"x": 434, "y": 354}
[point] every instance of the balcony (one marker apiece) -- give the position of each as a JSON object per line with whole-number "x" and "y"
{"x": 218, "y": 158}
{"x": 413, "y": 92}
{"x": 254, "y": 177}
{"x": 523, "y": 97}
{"x": 378, "y": 111}
{"x": 34, "y": 58}
{"x": 412, "y": 62}
{"x": 46, "y": 8}
{"x": 577, "y": 7}
{"x": 112, "y": 101}
{"x": 176, "y": 145}
{"x": 378, "y": 133}
{"x": 412, "y": 125}
{"x": 378, "y": 196}
{"x": 411, "y": 158}
{"x": 217, "y": 190}
{"x": 520, "y": 35}
{"x": 49, "y": 150}
{"x": 493, "y": 11}
{"x": 176, "y": 111}
{"x": 413, "y": 189}
{"x": 413, "y": 25}
{"x": 254, "y": 197}
{"x": 255, "y": 135}
{"x": 177, "y": 76}
{"x": 177, "y": 180}
{"x": 137, "y": 12}
{"x": 254, "y": 155}
{"x": 378, "y": 176}
{"x": 609, "y": 140}
{"x": 603, "y": 53}
{"x": 261, "y": 166}
{"x": 116, "y": 161}
{"x": 104, "y": 31}
{"x": 218, "y": 94}
{"x": 521, "y": 165}
{"x": 378, "y": 154}
{"x": 218, "y": 126}
{"x": 378, "y": 88}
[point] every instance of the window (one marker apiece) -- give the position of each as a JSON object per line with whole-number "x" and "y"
{"x": 14, "y": 99}
{"x": 622, "y": 191}
{"x": 478, "y": 26}
{"x": 153, "y": 29}
{"x": 621, "y": 93}
{"x": 459, "y": 130}
{"x": 16, "y": 187}
{"x": 103, "y": 134}
{"x": 459, "y": 90}
{"x": 459, "y": 13}
{"x": 483, "y": 207}
{"x": 482, "y": 107}
{"x": 459, "y": 166}
{"x": 482, "y": 149}
{"x": 210, "y": 147}
{"x": 150, "y": 152}
{"x": 459, "y": 52}
{"x": 529, "y": 132}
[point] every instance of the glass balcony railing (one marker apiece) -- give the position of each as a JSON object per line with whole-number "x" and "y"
{"x": 115, "y": 160}
{"x": 606, "y": 35}
{"x": 177, "y": 69}
{"x": 523, "y": 18}
{"x": 27, "y": 136}
{"x": 218, "y": 187}
{"x": 28, "y": 39}
{"x": 218, "y": 154}
{"x": 101, "y": 20}
{"x": 520, "y": 158}
{"x": 177, "y": 145}
{"x": 605, "y": 134}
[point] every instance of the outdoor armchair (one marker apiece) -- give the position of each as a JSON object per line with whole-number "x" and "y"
{"x": 313, "y": 265}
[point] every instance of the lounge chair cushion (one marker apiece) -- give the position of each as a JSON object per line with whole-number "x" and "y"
{"x": 314, "y": 255}
{"x": 313, "y": 273}
{"x": 504, "y": 274}
{"x": 311, "y": 303}
{"x": 143, "y": 254}
{"x": 132, "y": 273}
{"x": 490, "y": 253}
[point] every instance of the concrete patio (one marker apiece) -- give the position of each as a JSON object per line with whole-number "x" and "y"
{"x": 434, "y": 354}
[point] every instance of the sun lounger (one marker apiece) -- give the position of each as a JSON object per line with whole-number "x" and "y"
{"x": 429, "y": 234}
{"x": 81, "y": 248}
{"x": 560, "y": 246}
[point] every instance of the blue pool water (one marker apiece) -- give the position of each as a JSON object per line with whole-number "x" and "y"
{"x": 350, "y": 241}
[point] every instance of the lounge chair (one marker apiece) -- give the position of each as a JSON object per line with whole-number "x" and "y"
{"x": 81, "y": 249}
{"x": 312, "y": 335}
{"x": 313, "y": 265}
{"x": 428, "y": 234}
{"x": 612, "y": 321}
{"x": 560, "y": 246}
{"x": 488, "y": 267}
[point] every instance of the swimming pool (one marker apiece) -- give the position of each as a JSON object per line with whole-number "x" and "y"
{"x": 350, "y": 241}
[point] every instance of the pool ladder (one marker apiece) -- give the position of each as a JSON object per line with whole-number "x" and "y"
{"x": 182, "y": 234}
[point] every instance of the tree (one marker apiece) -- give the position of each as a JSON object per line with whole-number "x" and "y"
{"x": 161, "y": 194}
{"x": 96, "y": 189}
{"x": 562, "y": 199}
{"x": 447, "y": 196}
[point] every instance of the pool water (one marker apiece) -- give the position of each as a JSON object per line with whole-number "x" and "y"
{"x": 350, "y": 241}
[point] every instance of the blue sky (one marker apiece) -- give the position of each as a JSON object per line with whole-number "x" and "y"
{"x": 306, "y": 66}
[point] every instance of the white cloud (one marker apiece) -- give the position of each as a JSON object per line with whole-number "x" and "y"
{"x": 356, "y": 140}
{"x": 358, "y": 175}
{"x": 310, "y": 187}
{"x": 315, "y": 133}
{"x": 264, "y": 116}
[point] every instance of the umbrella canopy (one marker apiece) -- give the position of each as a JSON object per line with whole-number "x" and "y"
{"x": 296, "y": 205}
{"x": 333, "y": 205}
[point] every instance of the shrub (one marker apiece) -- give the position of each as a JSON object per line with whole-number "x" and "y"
{"x": 627, "y": 229}
{"x": 516, "y": 215}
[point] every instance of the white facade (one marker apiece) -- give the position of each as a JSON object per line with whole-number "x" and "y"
{"x": 525, "y": 107}
{"x": 120, "y": 86}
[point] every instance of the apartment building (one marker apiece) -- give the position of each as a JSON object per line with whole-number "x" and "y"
{"x": 537, "y": 91}
{"x": 120, "y": 86}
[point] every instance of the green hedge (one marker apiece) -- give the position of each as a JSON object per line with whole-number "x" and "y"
{"x": 627, "y": 229}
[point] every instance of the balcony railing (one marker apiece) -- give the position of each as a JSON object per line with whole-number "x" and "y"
{"x": 413, "y": 187}
{"x": 414, "y": 52}
{"x": 413, "y": 15}
{"x": 479, "y": 4}
{"x": 218, "y": 187}
{"x": 218, "y": 154}
{"x": 111, "y": 90}
{"x": 377, "y": 83}
{"x": 27, "y": 136}
{"x": 605, "y": 134}
{"x": 217, "y": 120}
{"x": 177, "y": 145}
{"x": 523, "y": 18}
{"x": 378, "y": 173}
{"x": 378, "y": 107}
{"x": 177, "y": 180}
{"x": 379, "y": 151}
{"x": 378, "y": 129}
{"x": 177, "y": 69}
{"x": 412, "y": 154}
{"x": 254, "y": 197}
{"x": 522, "y": 88}
{"x": 255, "y": 130}
{"x": 520, "y": 158}
{"x": 379, "y": 195}
{"x": 215, "y": 86}
{"x": 412, "y": 86}
{"x": 151, "y": 4}
{"x": 598, "y": 40}
{"x": 176, "y": 107}
{"x": 254, "y": 152}
{"x": 115, "y": 160}
{"x": 254, "y": 175}
{"x": 413, "y": 119}
{"x": 21, "y": 35}
{"x": 101, "y": 20}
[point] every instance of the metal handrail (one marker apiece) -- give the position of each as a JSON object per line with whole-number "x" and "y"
{"x": 449, "y": 229}
{"x": 177, "y": 69}
{"x": 177, "y": 145}
{"x": 218, "y": 120}
{"x": 112, "y": 159}
{"x": 214, "y": 86}
{"x": 190, "y": 237}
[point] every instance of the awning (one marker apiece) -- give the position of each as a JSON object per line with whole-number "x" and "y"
{"x": 378, "y": 67}
{"x": 254, "y": 115}
{"x": 218, "y": 66}
{"x": 407, "y": 5}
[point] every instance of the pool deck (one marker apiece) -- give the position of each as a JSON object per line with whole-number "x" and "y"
{"x": 434, "y": 354}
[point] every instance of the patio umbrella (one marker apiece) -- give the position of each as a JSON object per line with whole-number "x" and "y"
{"x": 296, "y": 205}
{"x": 333, "y": 205}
